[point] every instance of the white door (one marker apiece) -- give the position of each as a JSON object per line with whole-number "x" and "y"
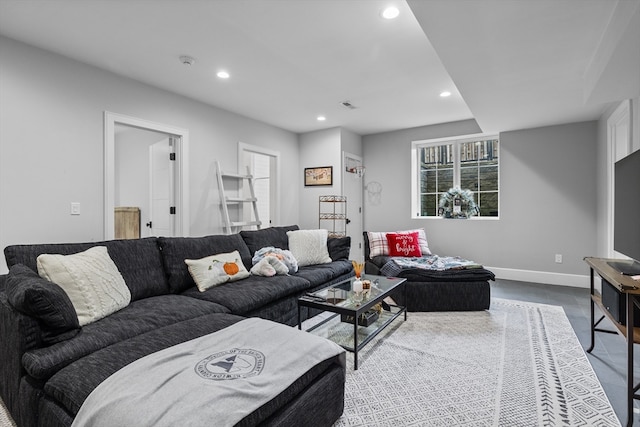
{"x": 161, "y": 181}
{"x": 263, "y": 165}
{"x": 261, "y": 171}
{"x": 352, "y": 188}
{"x": 127, "y": 173}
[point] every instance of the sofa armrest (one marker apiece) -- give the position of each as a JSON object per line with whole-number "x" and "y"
{"x": 18, "y": 334}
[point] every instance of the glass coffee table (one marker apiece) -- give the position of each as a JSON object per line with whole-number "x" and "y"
{"x": 339, "y": 299}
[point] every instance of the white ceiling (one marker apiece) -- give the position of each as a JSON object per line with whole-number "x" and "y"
{"x": 515, "y": 63}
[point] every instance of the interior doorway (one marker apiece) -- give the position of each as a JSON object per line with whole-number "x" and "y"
{"x": 264, "y": 165}
{"x": 353, "y": 188}
{"x": 144, "y": 182}
{"x": 145, "y": 166}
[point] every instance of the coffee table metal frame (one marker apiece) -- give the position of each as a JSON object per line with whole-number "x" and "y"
{"x": 381, "y": 288}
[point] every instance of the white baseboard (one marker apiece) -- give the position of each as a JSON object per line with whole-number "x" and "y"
{"x": 561, "y": 279}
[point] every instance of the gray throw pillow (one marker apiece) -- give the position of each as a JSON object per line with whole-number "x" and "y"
{"x": 47, "y": 302}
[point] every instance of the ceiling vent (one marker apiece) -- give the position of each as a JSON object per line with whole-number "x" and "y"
{"x": 349, "y": 105}
{"x": 187, "y": 60}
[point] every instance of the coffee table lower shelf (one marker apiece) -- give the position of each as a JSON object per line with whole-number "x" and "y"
{"x": 354, "y": 337}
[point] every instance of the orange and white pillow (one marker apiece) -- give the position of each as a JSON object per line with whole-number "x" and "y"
{"x": 214, "y": 270}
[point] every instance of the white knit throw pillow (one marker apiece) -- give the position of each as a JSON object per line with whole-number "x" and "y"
{"x": 309, "y": 247}
{"x": 90, "y": 279}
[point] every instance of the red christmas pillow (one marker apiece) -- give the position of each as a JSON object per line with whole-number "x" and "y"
{"x": 404, "y": 244}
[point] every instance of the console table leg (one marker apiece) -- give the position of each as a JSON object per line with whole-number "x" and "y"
{"x": 355, "y": 343}
{"x": 593, "y": 327}
{"x": 630, "y": 380}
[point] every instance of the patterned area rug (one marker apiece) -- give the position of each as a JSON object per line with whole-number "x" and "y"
{"x": 518, "y": 364}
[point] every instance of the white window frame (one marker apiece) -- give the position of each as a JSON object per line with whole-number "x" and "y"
{"x": 457, "y": 142}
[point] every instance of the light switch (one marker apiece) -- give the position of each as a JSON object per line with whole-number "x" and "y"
{"x": 75, "y": 208}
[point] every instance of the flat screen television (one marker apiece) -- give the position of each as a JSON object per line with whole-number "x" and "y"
{"x": 626, "y": 226}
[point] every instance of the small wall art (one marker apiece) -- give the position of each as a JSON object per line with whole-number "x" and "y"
{"x": 318, "y": 176}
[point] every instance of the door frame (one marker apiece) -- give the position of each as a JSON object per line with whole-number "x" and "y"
{"x": 618, "y": 129}
{"x": 244, "y": 147}
{"x": 357, "y": 239}
{"x": 181, "y": 196}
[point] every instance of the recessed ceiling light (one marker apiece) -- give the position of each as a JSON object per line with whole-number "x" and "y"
{"x": 390, "y": 13}
{"x": 445, "y": 94}
{"x": 321, "y": 118}
{"x": 223, "y": 74}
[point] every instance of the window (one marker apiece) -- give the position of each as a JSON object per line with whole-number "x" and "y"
{"x": 466, "y": 163}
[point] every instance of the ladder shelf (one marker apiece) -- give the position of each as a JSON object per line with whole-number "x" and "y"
{"x": 226, "y": 201}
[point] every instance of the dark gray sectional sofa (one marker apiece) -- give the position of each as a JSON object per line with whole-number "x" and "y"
{"x": 49, "y": 364}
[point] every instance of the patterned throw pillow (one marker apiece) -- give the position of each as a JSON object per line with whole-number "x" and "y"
{"x": 404, "y": 244}
{"x": 216, "y": 269}
{"x": 422, "y": 240}
{"x": 90, "y": 279}
{"x": 378, "y": 244}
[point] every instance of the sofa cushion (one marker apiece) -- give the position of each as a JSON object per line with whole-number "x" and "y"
{"x": 272, "y": 236}
{"x": 137, "y": 318}
{"x": 248, "y": 294}
{"x": 90, "y": 278}
{"x": 47, "y": 302}
{"x": 176, "y": 249}
{"x": 309, "y": 247}
{"x": 138, "y": 260}
{"x": 72, "y": 384}
{"x": 216, "y": 269}
{"x": 339, "y": 247}
{"x": 325, "y": 273}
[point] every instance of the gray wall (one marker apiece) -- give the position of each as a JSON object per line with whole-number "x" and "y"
{"x": 547, "y": 206}
{"x": 319, "y": 148}
{"x": 51, "y": 146}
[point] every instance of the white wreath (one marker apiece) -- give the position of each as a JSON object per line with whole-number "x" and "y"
{"x": 468, "y": 207}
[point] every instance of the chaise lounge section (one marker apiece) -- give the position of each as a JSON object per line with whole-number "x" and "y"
{"x": 456, "y": 289}
{"x": 49, "y": 364}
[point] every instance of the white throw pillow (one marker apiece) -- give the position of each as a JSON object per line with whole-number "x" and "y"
{"x": 309, "y": 247}
{"x": 216, "y": 269}
{"x": 90, "y": 279}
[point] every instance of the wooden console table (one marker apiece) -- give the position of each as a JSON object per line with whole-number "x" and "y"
{"x": 630, "y": 290}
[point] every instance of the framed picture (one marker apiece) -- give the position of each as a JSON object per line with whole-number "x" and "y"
{"x": 318, "y": 176}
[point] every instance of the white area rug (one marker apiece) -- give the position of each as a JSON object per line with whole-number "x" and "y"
{"x": 518, "y": 364}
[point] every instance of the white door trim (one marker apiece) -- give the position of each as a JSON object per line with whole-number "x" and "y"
{"x": 244, "y": 147}
{"x": 357, "y": 239}
{"x": 181, "y": 172}
{"x": 618, "y": 126}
